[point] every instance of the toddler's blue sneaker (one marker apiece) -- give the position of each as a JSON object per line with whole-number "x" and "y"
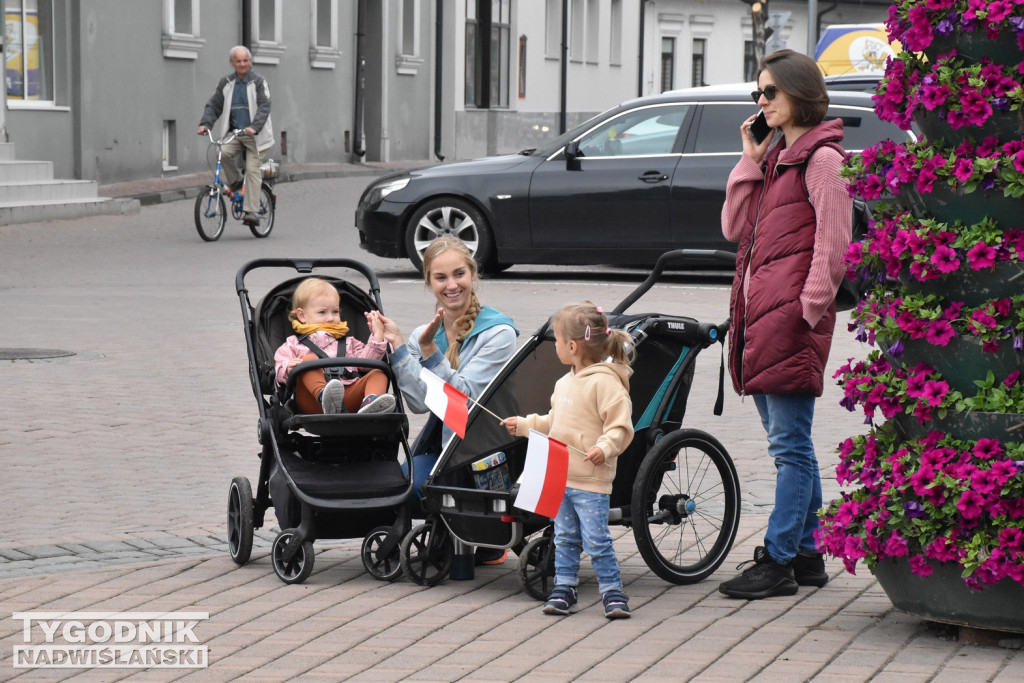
{"x": 616, "y": 605}
{"x": 561, "y": 600}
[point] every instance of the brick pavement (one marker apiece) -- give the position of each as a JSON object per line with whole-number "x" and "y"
{"x": 117, "y": 462}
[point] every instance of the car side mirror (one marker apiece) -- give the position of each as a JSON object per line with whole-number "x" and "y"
{"x": 572, "y": 156}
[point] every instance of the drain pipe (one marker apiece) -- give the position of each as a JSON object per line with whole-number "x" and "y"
{"x": 817, "y": 23}
{"x": 438, "y": 73}
{"x": 640, "y": 44}
{"x": 565, "y": 66}
{"x": 359, "y": 148}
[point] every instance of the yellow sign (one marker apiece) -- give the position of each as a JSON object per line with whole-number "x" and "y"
{"x": 854, "y": 49}
{"x": 21, "y": 50}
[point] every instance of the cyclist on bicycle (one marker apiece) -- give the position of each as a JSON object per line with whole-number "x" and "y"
{"x": 249, "y": 110}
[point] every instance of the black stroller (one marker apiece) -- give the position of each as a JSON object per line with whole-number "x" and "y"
{"x": 676, "y": 487}
{"x": 326, "y": 476}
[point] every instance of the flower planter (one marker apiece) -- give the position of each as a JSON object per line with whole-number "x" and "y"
{"x": 976, "y": 45}
{"x": 962, "y": 361}
{"x": 948, "y": 205}
{"x": 944, "y": 597}
{"x": 965, "y": 426}
{"x": 1001, "y": 124}
{"x": 973, "y": 287}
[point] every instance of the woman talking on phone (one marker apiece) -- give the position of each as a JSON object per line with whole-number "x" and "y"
{"x": 790, "y": 212}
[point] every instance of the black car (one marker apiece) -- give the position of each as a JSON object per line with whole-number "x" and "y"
{"x": 631, "y": 183}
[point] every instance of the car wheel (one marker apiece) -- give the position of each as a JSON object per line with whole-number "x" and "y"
{"x": 455, "y": 217}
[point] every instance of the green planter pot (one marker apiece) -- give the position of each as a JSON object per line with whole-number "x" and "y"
{"x": 966, "y": 426}
{"x": 973, "y": 287}
{"x": 1005, "y": 125}
{"x": 944, "y": 597}
{"x": 948, "y": 205}
{"x": 975, "y": 45}
{"x": 962, "y": 361}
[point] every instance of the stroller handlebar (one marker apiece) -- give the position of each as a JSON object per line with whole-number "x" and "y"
{"x": 675, "y": 256}
{"x": 305, "y": 266}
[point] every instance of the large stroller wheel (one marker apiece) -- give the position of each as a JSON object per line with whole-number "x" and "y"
{"x": 297, "y": 568}
{"x": 537, "y": 566}
{"x": 686, "y": 506}
{"x": 428, "y": 553}
{"x": 240, "y": 520}
{"x": 386, "y": 568}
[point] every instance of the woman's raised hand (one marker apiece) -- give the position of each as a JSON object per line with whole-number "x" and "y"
{"x": 427, "y": 345}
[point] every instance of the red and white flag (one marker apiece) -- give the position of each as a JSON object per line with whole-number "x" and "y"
{"x": 542, "y": 484}
{"x": 447, "y": 402}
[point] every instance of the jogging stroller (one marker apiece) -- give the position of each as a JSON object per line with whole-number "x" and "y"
{"x": 676, "y": 487}
{"x": 326, "y": 476}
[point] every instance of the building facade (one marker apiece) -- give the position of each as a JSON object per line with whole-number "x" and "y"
{"x": 113, "y": 91}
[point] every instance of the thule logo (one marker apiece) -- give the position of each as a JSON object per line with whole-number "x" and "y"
{"x": 677, "y": 326}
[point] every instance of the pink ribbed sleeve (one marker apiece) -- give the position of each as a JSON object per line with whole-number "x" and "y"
{"x": 833, "y": 208}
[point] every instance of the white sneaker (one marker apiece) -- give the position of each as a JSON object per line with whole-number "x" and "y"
{"x": 384, "y": 403}
{"x": 332, "y": 398}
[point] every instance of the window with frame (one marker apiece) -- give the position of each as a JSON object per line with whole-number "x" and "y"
{"x": 28, "y": 50}
{"x": 615, "y": 34}
{"x": 593, "y": 44}
{"x": 697, "y": 65}
{"x": 553, "y": 29}
{"x": 668, "y": 64}
{"x": 266, "y": 32}
{"x": 577, "y": 16}
{"x": 647, "y": 131}
{"x": 522, "y": 66}
{"x": 323, "y": 41}
{"x": 488, "y": 35}
{"x": 409, "y": 61}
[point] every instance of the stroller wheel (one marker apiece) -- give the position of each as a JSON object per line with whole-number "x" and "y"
{"x": 240, "y": 523}
{"x": 427, "y": 554}
{"x": 292, "y": 565}
{"x": 387, "y": 568}
{"x": 537, "y": 566}
{"x": 686, "y": 506}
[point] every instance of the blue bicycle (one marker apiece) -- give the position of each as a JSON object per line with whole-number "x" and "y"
{"x": 211, "y": 209}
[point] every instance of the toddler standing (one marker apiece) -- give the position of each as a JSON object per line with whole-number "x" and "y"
{"x": 591, "y": 412}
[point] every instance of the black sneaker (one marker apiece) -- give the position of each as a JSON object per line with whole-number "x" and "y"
{"x": 616, "y": 605}
{"x": 809, "y": 570}
{"x": 561, "y": 600}
{"x": 766, "y": 579}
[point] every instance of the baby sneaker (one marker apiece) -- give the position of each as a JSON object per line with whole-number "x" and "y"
{"x": 332, "y": 398}
{"x": 616, "y": 605}
{"x": 383, "y": 403}
{"x": 561, "y": 600}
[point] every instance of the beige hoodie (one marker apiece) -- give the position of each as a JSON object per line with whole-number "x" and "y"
{"x": 588, "y": 408}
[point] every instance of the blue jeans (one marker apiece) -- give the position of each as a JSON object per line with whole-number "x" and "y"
{"x": 582, "y": 524}
{"x": 787, "y": 419}
{"x": 422, "y": 465}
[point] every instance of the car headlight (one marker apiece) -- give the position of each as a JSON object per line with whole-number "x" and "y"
{"x": 384, "y": 189}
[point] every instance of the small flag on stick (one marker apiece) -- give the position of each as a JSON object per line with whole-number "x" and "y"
{"x": 447, "y": 402}
{"x": 542, "y": 484}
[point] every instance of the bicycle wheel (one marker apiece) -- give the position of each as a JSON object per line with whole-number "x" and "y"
{"x": 686, "y": 506}
{"x": 266, "y": 214}
{"x": 210, "y": 214}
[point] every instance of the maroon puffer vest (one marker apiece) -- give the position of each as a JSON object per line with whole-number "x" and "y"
{"x": 773, "y": 351}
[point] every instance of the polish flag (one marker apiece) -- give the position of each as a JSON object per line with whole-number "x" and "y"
{"x": 542, "y": 484}
{"x": 447, "y": 402}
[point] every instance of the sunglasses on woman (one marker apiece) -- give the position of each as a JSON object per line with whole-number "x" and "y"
{"x": 769, "y": 92}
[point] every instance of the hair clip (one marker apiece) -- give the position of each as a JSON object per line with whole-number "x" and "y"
{"x": 599, "y": 309}
{"x": 586, "y": 335}
{"x": 608, "y": 330}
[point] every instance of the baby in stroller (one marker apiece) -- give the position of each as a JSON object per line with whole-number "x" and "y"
{"x": 316, "y": 318}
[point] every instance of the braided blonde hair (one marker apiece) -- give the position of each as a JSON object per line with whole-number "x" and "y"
{"x": 464, "y": 324}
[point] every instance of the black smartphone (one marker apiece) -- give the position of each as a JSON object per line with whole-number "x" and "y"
{"x": 760, "y": 128}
